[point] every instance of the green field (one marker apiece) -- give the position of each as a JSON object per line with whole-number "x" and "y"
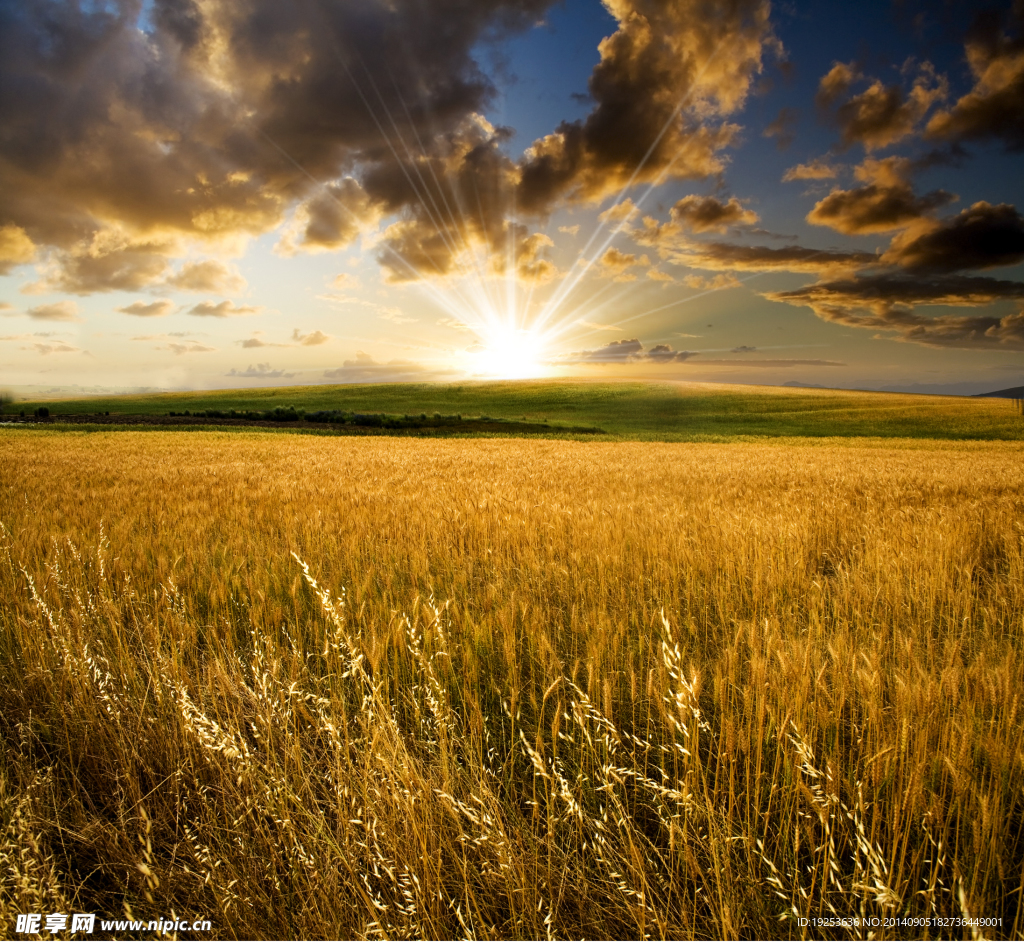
{"x": 636, "y": 411}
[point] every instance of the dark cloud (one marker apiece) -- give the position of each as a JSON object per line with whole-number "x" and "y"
{"x": 194, "y": 123}
{"x": 888, "y": 302}
{"x": 743, "y": 349}
{"x": 882, "y": 114}
{"x": 721, "y": 256}
{"x": 994, "y": 107}
{"x": 886, "y": 202}
{"x": 707, "y": 214}
{"x": 691, "y": 65}
{"x": 983, "y": 236}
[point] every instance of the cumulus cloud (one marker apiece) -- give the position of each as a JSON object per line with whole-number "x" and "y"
{"x": 817, "y": 169}
{"x": 188, "y": 124}
{"x": 882, "y": 114}
{"x": 994, "y": 107}
{"x": 313, "y": 339}
{"x": 207, "y": 276}
{"x": 110, "y": 259}
{"x": 707, "y": 214}
{"x": 886, "y": 201}
{"x": 664, "y": 54}
{"x": 61, "y": 311}
{"x": 615, "y": 264}
{"x": 153, "y": 309}
{"x": 16, "y": 248}
{"x": 982, "y": 236}
{"x": 223, "y": 309}
{"x": 888, "y": 302}
{"x": 331, "y": 219}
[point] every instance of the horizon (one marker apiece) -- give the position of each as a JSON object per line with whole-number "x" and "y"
{"x": 241, "y": 197}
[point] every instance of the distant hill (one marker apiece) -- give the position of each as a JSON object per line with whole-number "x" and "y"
{"x": 1014, "y": 392}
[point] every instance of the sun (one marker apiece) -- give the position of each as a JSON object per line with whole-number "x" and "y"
{"x": 510, "y": 353}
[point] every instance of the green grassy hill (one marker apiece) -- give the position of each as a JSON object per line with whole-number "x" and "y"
{"x": 638, "y": 411}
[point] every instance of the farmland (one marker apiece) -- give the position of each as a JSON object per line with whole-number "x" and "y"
{"x": 624, "y": 410}
{"x": 335, "y": 687}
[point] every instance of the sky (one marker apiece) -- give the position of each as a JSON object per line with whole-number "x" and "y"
{"x": 216, "y": 193}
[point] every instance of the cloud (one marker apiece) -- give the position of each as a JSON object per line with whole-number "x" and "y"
{"x": 817, "y": 169}
{"x": 189, "y": 346}
{"x": 721, "y": 256}
{"x": 886, "y": 202}
{"x": 770, "y": 364}
{"x": 260, "y": 371}
{"x": 718, "y": 283}
{"x": 207, "y": 276}
{"x": 313, "y": 339}
{"x": 615, "y": 264}
{"x": 666, "y": 55}
{"x": 223, "y": 309}
{"x": 203, "y": 124}
{"x": 45, "y": 349}
{"x": 593, "y": 326}
{"x": 743, "y": 349}
{"x": 569, "y": 230}
{"x": 707, "y": 214}
{"x": 622, "y": 211}
{"x": 454, "y": 323}
{"x": 153, "y": 309}
{"x": 835, "y": 83}
{"x": 888, "y": 302}
{"x": 396, "y": 316}
{"x": 331, "y": 219}
{"x": 782, "y": 128}
{"x": 994, "y": 107}
{"x": 626, "y": 351}
{"x": 110, "y": 259}
{"x": 364, "y": 369}
{"x": 16, "y": 248}
{"x": 982, "y": 236}
{"x": 882, "y": 114}
{"x": 61, "y": 311}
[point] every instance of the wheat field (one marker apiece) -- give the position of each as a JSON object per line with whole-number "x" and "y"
{"x": 393, "y": 688}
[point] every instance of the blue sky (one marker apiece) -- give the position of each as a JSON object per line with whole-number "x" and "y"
{"x": 223, "y": 194}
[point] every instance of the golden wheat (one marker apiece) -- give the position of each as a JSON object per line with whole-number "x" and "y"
{"x": 395, "y": 688}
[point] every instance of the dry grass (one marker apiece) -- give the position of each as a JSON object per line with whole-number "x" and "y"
{"x": 510, "y": 689}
